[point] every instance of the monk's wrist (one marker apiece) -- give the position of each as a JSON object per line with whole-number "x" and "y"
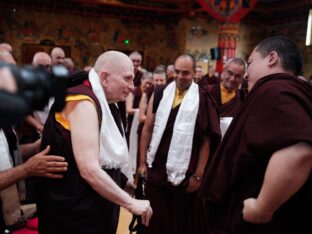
{"x": 263, "y": 208}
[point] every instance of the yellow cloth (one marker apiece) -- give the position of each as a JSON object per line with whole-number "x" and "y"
{"x": 226, "y": 96}
{"x": 73, "y": 97}
{"x": 178, "y": 98}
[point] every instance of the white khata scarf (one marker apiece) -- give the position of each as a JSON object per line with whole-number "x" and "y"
{"x": 9, "y": 196}
{"x": 113, "y": 146}
{"x": 180, "y": 149}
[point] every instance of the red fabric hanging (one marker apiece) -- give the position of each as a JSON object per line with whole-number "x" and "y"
{"x": 227, "y": 10}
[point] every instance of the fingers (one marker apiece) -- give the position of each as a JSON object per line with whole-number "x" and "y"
{"x": 147, "y": 216}
{"x": 46, "y": 150}
{"x": 56, "y": 169}
{"x": 143, "y": 219}
{"x": 51, "y": 158}
{"x": 53, "y": 176}
{"x": 57, "y": 164}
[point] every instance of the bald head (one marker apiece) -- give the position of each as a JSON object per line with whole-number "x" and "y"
{"x": 43, "y": 59}
{"x": 115, "y": 71}
{"x": 189, "y": 58}
{"x": 6, "y": 46}
{"x": 6, "y": 56}
{"x": 57, "y": 55}
{"x": 113, "y": 62}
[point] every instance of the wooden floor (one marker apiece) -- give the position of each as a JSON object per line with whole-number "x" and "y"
{"x": 124, "y": 221}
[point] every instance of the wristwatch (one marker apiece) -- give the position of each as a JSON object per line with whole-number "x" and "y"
{"x": 198, "y": 178}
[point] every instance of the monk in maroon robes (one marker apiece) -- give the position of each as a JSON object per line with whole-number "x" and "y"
{"x": 87, "y": 200}
{"x": 136, "y": 59}
{"x": 226, "y": 93}
{"x": 173, "y": 200}
{"x": 210, "y": 78}
{"x": 243, "y": 191}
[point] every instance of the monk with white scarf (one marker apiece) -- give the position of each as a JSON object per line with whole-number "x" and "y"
{"x": 90, "y": 136}
{"x": 180, "y": 132}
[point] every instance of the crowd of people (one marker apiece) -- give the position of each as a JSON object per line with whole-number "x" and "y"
{"x": 220, "y": 155}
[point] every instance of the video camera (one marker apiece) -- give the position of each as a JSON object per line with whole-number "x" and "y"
{"x": 35, "y": 86}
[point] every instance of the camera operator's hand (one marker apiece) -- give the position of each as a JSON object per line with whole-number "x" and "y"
{"x": 46, "y": 165}
{"x": 7, "y": 81}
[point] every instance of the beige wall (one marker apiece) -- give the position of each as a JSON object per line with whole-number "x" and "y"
{"x": 200, "y": 45}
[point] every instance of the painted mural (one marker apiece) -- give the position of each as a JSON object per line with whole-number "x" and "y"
{"x": 88, "y": 37}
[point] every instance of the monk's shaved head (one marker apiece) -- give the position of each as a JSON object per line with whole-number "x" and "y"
{"x": 57, "y": 55}
{"x": 41, "y": 56}
{"x": 57, "y": 50}
{"x": 6, "y": 56}
{"x": 113, "y": 62}
{"x": 115, "y": 71}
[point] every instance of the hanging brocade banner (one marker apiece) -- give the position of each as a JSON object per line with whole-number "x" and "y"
{"x": 228, "y": 36}
{"x": 230, "y": 11}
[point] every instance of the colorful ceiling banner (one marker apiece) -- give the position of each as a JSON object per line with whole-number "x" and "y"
{"x": 231, "y": 11}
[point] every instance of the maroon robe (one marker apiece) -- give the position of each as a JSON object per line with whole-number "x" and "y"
{"x": 207, "y": 81}
{"x": 276, "y": 113}
{"x": 137, "y": 96}
{"x": 148, "y": 93}
{"x": 172, "y": 205}
{"x": 228, "y": 109}
{"x": 70, "y": 205}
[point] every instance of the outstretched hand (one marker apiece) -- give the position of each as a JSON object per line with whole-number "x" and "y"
{"x": 46, "y": 165}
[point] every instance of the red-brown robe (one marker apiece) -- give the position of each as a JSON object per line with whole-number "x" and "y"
{"x": 276, "y": 113}
{"x": 207, "y": 81}
{"x": 228, "y": 109}
{"x": 148, "y": 93}
{"x": 137, "y": 96}
{"x": 172, "y": 205}
{"x": 70, "y": 205}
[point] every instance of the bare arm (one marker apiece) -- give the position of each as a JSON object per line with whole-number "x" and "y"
{"x": 142, "y": 108}
{"x": 129, "y": 104}
{"x": 286, "y": 173}
{"x": 7, "y": 81}
{"x": 30, "y": 149}
{"x": 40, "y": 164}
{"x": 146, "y": 135}
{"x": 33, "y": 122}
{"x": 84, "y": 126}
{"x": 196, "y": 178}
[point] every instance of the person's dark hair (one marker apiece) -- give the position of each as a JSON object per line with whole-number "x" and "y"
{"x": 160, "y": 72}
{"x": 147, "y": 75}
{"x": 160, "y": 67}
{"x": 190, "y": 57}
{"x": 286, "y": 50}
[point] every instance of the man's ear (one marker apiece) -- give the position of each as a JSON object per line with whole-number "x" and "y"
{"x": 103, "y": 78}
{"x": 273, "y": 58}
